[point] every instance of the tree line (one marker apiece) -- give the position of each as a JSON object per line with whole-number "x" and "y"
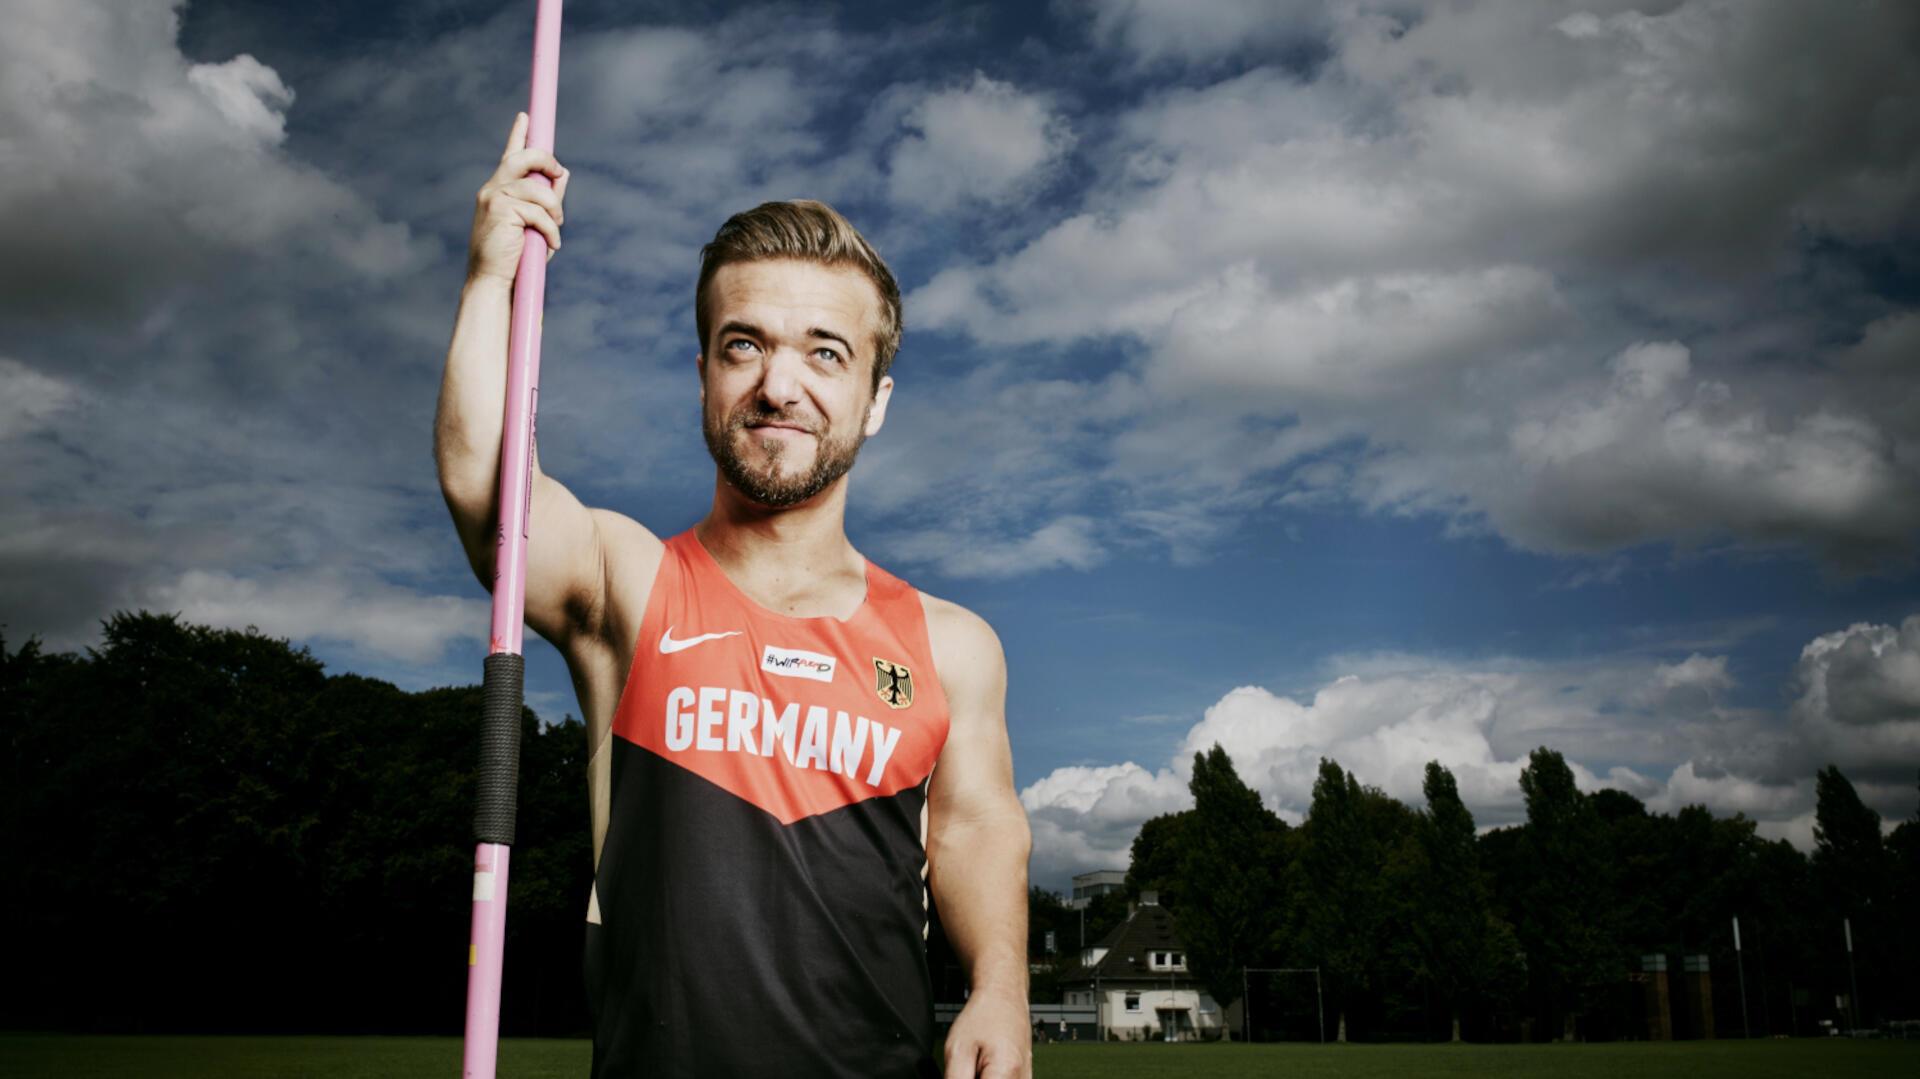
{"x": 205, "y": 831}
{"x": 1422, "y": 927}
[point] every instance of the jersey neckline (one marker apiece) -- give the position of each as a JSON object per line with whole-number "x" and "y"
{"x": 693, "y": 540}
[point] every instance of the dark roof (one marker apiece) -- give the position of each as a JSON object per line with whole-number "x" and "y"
{"x": 1130, "y": 947}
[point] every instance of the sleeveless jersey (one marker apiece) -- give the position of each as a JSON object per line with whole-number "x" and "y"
{"x": 759, "y": 906}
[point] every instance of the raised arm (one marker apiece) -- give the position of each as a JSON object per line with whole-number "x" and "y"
{"x": 977, "y": 847}
{"x": 567, "y": 546}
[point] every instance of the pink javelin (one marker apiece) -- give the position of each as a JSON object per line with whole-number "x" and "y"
{"x": 497, "y": 779}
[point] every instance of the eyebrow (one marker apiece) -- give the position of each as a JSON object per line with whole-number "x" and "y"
{"x": 748, "y": 328}
{"x": 815, "y": 331}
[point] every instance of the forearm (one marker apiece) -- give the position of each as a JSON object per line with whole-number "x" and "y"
{"x": 979, "y": 882}
{"x": 467, "y": 427}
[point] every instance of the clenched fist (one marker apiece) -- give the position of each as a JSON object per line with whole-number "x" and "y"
{"x": 526, "y": 191}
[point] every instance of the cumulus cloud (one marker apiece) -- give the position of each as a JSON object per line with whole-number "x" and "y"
{"x": 1656, "y": 452}
{"x": 1652, "y": 728}
{"x": 1860, "y": 697}
{"x": 1458, "y": 252}
{"x": 986, "y": 142}
{"x": 371, "y": 616}
{"x": 139, "y": 172}
{"x": 223, "y": 398}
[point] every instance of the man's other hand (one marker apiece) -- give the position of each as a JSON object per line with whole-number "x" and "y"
{"x": 991, "y": 1039}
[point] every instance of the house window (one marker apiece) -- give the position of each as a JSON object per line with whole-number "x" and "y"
{"x": 1179, "y": 961}
{"x": 1133, "y": 1002}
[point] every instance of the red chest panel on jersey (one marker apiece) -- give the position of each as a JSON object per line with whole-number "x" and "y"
{"x": 798, "y": 716}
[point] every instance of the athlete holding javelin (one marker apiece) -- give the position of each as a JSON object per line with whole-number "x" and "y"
{"x": 790, "y": 746}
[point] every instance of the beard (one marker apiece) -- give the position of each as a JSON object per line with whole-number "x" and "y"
{"x": 756, "y": 473}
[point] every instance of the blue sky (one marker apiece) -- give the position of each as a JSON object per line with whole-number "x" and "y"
{"x": 1388, "y": 381}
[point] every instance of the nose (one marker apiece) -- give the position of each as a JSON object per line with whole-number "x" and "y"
{"x": 780, "y": 382}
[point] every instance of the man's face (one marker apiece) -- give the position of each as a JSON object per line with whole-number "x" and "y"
{"x": 786, "y": 381}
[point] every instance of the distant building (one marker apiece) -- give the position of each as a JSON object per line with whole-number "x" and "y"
{"x": 1138, "y": 982}
{"x": 1098, "y": 882}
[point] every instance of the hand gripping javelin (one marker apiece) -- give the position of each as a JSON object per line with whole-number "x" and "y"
{"x": 498, "y": 778}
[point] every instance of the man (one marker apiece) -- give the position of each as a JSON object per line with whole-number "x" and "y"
{"x": 789, "y": 746}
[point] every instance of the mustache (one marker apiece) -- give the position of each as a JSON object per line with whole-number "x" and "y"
{"x": 741, "y": 419}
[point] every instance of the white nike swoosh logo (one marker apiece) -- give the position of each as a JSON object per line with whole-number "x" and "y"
{"x": 668, "y": 646}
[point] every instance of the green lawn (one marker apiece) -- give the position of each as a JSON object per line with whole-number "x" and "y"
{"x": 27, "y": 1055}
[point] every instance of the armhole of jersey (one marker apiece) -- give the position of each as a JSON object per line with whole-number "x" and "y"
{"x": 600, "y": 757}
{"x": 923, "y": 623}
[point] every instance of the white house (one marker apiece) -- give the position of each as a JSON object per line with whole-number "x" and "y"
{"x": 1138, "y": 982}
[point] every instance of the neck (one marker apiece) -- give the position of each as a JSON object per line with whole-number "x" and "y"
{"x": 811, "y": 535}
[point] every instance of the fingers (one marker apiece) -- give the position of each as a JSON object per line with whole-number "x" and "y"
{"x": 1006, "y": 1063}
{"x": 963, "y": 1059}
{"x": 517, "y": 160}
{"x": 517, "y": 137}
{"x": 536, "y": 218}
{"x": 547, "y": 198}
{"x": 521, "y": 163}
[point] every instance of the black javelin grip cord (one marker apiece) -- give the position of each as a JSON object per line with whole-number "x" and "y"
{"x": 497, "y": 783}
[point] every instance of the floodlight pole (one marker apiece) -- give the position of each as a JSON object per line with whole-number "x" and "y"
{"x": 1746, "y": 1028}
{"x": 497, "y": 779}
{"x": 1853, "y": 1002}
{"x": 1320, "y": 1001}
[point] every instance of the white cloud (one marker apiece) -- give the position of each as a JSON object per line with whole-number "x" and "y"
{"x": 1860, "y": 697}
{"x": 146, "y": 172}
{"x": 29, "y": 398}
{"x": 1622, "y": 722}
{"x": 1657, "y": 452}
{"x": 371, "y": 616}
{"x": 1418, "y": 260}
{"x": 249, "y": 94}
{"x": 1063, "y": 543}
{"x": 1201, "y": 30}
{"x": 1085, "y": 818}
{"x": 986, "y": 142}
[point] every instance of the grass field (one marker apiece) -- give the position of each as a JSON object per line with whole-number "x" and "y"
{"x": 34, "y": 1055}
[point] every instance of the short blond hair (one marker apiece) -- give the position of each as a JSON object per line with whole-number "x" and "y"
{"x": 812, "y": 232}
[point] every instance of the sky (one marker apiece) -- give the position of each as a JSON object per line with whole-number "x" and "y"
{"x": 1381, "y": 381}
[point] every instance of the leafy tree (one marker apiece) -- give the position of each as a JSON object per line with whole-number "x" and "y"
{"x": 1566, "y": 924}
{"x": 1102, "y": 914}
{"x": 1464, "y": 947}
{"x": 1230, "y": 889}
{"x": 1158, "y": 857}
{"x": 1853, "y": 871}
{"x": 1849, "y": 856}
{"x": 217, "y": 796}
{"x": 1903, "y": 849}
{"x": 1344, "y": 911}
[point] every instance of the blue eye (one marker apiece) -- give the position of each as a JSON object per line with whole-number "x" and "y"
{"x": 830, "y": 355}
{"x": 738, "y": 341}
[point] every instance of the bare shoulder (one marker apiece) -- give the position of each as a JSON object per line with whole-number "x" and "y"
{"x": 966, "y": 652}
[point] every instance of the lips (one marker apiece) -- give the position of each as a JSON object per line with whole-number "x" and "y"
{"x": 795, "y": 428}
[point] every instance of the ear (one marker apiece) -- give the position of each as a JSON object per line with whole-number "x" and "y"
{"x": 700, "y": 374}
{"x": 877, "y": 411}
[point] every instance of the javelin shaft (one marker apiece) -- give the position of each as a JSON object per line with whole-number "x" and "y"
{"x": 497, "y": 779}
